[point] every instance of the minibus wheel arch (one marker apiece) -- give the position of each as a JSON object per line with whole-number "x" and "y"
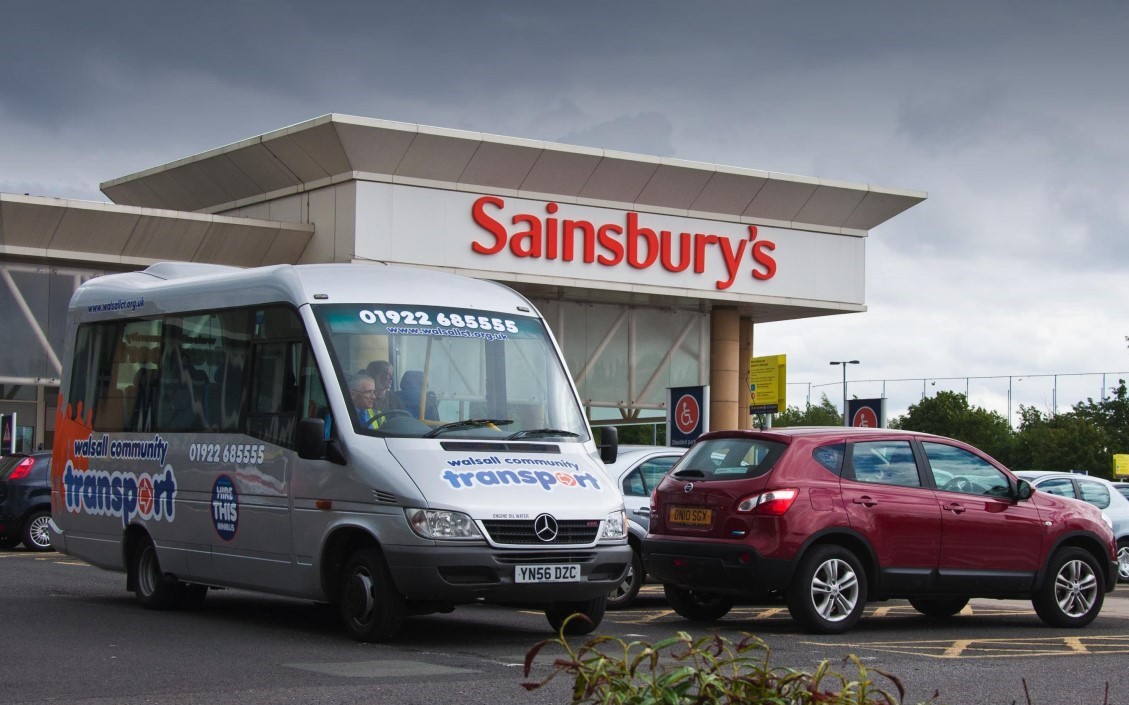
{"x": 341, "y": 544}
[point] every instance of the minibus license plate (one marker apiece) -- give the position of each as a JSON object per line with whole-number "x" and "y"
{"x": 557, "y": 573}
{"x": 692, "y": 516}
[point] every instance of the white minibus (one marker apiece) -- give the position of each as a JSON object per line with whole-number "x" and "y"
{"x": 392, "y": 441}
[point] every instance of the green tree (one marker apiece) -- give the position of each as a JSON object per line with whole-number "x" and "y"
{"x": 1085, "y": 438}
{"x": 823, "y": 415}
{"x": 948, "y": 414}
{"x": 1111, "y": 415}
{"x": 1067, "y": 441}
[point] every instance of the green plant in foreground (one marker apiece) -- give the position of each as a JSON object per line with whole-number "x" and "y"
{"x": 704, "y": 671}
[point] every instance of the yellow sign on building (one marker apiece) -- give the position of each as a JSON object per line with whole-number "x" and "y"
{"x": 768, "y": 384}
{"x": 1121, "y": 465}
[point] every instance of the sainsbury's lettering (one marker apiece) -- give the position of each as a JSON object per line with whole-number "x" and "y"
{"x": 611, "y": 244}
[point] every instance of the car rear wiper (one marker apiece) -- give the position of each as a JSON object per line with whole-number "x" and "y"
{"x": 688, "y": 473}
{"x": 469, "y": 423}
{"x": 542, "y": 432}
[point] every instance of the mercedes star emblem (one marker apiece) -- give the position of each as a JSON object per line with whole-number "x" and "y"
{"x": 545, "y": 527}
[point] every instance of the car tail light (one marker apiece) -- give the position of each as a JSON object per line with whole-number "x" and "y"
{"x": 772, "y": 503}
{"x": 22, "y": 470}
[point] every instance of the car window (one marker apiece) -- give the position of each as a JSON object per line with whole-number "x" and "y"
{"x": 731, "y": 458}
{"x": 633, "y": 484}
{"x": 830, "y": 456}
{"x": 654, "y": 470}
{"x": 958, "y": 470}
{"x": 641, "y": 481}
{"x": 1061, "y": 486}
{"x": 884, "y": 462}
{"x": 1124, "y": 490}
{"x": 1095, "y": 493}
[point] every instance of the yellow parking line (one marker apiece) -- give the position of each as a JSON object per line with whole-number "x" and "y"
{"x": 957, "y": 648}
{"x": 995, "y": 648}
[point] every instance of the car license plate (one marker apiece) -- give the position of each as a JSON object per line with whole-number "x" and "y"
{"x": 557, "y": 573}
{"x": 691, "y": 516}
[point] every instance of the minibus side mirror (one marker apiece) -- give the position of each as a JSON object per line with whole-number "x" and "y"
{"x": 312, "y": 444}
{"x": 609, "y": 444}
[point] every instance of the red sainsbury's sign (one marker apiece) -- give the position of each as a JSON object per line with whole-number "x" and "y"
{"x": 614, "y": 244}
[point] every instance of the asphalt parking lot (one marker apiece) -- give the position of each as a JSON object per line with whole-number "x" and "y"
{"x": 75, "y": 635}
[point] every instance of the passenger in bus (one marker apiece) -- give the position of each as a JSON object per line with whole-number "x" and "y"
{"x": 362, "y": 389}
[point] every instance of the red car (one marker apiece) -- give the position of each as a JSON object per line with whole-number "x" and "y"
{"x": 832, "y": 518}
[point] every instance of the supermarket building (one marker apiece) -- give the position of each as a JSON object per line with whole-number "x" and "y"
{"x": 652, "y": 272}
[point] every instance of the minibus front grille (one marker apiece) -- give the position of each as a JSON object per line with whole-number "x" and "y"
{"x": 522, "y": 533}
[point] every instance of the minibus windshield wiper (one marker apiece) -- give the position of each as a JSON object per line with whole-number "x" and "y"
{"x": 469, "y": 423}
{"x": 542, "y": 432}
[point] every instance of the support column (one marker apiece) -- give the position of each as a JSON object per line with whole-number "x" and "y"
{"x": 725, "y": 343}
{"x": 743, "y": 417}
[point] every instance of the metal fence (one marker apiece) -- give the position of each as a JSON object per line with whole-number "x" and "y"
{"x": 1004, "y": 394}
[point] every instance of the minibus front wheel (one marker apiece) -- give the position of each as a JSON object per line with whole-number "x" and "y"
{"x": 589, "y": 614}
{"x": 370, "y": 605}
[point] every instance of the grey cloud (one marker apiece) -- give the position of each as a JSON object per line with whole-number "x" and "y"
{"x": 645, "y": 133}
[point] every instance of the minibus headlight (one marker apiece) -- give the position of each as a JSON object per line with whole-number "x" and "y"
{"x": 440, "y": 524}
{"x": 615, "y": 526}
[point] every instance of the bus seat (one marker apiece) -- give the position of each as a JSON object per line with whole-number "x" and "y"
{"x": 411, "y": 390}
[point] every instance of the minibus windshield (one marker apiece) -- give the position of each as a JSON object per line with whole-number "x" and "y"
{"x": 448, "y": 372}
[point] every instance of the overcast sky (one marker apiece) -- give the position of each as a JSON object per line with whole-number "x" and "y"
{"x": 1012, "y": 116}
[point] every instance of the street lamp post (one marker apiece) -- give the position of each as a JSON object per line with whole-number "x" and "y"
{"x": 844, "y": 363}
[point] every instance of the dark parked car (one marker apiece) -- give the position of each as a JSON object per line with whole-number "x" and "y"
{"x": 831, "y": 518}
{"x": 25, "y": 500}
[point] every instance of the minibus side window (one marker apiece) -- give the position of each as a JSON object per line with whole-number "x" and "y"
{"x": 113, "y": 375}
{"x": 278, "y": 371}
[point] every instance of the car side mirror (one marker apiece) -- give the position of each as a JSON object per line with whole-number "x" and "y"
{"x": 1024, "y": 490}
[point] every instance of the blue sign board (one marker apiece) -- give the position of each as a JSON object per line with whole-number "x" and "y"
{"x": 867, "y": 413}
{"x": 687, "y": 414}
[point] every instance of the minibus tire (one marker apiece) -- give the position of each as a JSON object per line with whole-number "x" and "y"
{"x": 370, "y": 606}
{"x": 697, "y": 606}
{"x": 154, "y": 590}
{"x": 591, "y": 614}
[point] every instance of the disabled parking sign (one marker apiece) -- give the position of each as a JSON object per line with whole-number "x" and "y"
{"x": 686, "y": 414}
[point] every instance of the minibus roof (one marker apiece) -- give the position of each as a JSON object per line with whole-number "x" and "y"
{"x": 188, "y": 286}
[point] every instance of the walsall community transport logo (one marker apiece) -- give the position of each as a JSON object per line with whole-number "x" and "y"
{"x": 466, "y": 473}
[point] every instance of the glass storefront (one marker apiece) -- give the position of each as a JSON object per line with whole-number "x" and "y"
{"x": 33, "y": 314}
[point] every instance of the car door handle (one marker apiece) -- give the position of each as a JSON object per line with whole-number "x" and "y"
{"x": 643, "y": 511}
{"x": 955, "y": 508}
{"x": 865, "y": 500}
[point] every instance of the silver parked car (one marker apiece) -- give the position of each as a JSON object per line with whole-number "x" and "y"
{"x": 1101, "y": 493}
{"x": 637, "y": 470}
